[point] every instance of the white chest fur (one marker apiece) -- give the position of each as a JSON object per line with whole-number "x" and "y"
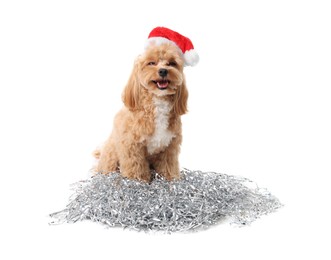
{"x": 161, "y": 137}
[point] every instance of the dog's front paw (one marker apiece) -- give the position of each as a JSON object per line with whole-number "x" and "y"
{"x": 147, "y": 177}
{"x": 137, "y": 174}
{"x": 172, "y": 176}
{"x": 169, "y": 173}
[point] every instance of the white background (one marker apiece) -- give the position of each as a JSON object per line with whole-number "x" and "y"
{"x": 259, "y": 107}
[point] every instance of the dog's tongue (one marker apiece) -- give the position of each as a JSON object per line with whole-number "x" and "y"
{"x": 162, "y": 84}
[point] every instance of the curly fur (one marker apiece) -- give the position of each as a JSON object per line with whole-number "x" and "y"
{"x": 147, "y": 132}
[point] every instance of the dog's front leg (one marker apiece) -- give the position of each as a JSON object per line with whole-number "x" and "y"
{"x": 133, "y": 162}
{"x": 166, "y": 163}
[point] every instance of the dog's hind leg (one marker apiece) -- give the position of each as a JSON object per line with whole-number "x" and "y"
{"x": 108, "y": 161}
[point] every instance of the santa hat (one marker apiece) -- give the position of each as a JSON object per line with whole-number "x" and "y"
{"x": 160, "y": 35}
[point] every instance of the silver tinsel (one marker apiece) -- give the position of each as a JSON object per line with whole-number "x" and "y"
{"x": 197, "y": 200}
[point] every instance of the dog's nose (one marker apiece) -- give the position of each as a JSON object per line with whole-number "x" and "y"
{"x": 163, "y": 72}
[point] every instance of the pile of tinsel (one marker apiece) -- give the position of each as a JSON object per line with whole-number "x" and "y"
{"x": 197, "y": 200}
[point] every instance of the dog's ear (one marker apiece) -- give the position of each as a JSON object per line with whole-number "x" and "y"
{"x": 131, "y": 91}
{"x": 181, "y": 96}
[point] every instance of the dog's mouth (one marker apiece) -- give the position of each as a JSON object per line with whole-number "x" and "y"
{"x": 161, "y": 84}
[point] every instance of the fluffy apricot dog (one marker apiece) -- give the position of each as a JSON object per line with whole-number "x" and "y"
{"x": 147, "y": 132}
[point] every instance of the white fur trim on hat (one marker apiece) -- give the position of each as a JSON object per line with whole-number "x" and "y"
{"x": 157, "y": 41}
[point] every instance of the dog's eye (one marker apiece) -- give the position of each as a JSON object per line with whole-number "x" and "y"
{"x": 172, "y": 64}
{"x": 151, "y": 63}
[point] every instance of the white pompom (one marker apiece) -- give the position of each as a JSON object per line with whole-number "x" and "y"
{"x": 191, "y": 58}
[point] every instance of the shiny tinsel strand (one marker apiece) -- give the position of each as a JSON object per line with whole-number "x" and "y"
{"x": 197, "y": 200}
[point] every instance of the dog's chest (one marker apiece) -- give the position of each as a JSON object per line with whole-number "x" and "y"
{"x": 161, "y": 137}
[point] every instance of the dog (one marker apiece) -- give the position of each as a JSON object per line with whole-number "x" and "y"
{"x": 147, "y": 131}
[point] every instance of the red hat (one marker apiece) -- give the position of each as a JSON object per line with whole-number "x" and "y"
{"x": 160, "y": 35}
